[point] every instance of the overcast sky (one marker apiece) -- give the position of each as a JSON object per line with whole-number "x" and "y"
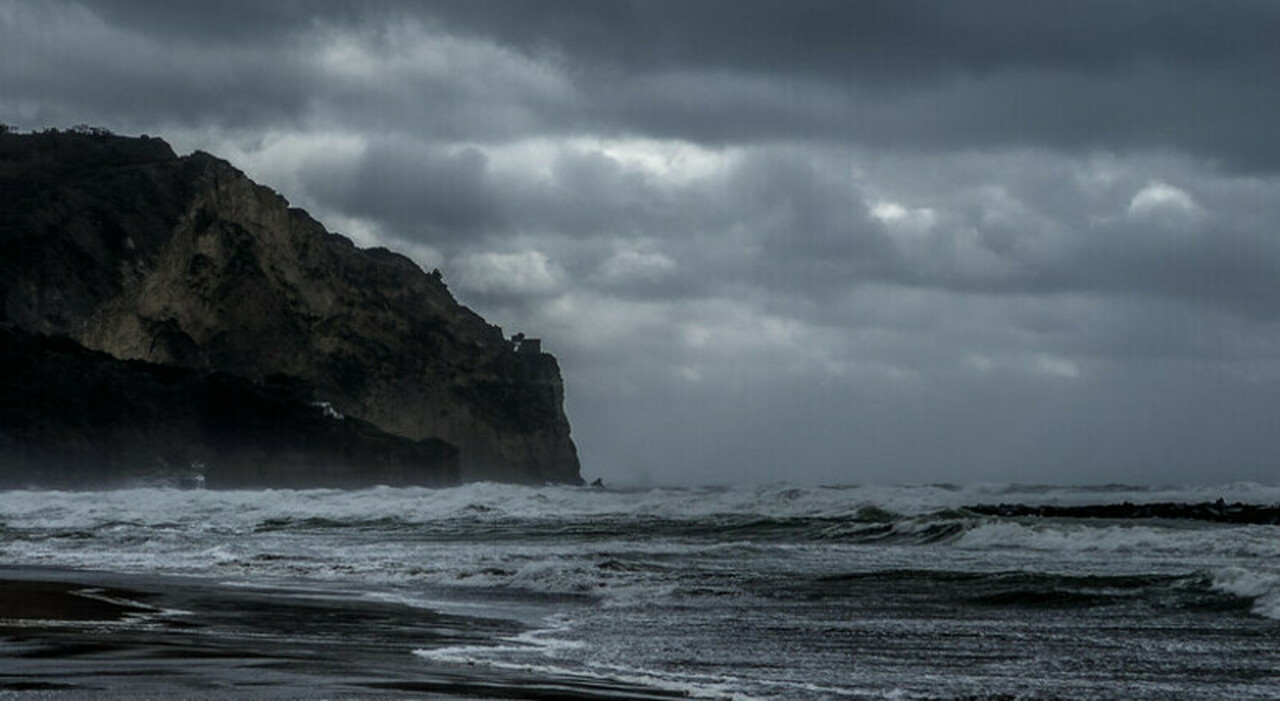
{"x": 818, "y": 242}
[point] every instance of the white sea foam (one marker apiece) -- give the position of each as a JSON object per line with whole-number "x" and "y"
{"x": 1129, "y": 539}
{"x": 561, "y": 540}
{"x": 239, "y": 511}
{"x": 520, "y": 660}
{"x": 1262, "y": 587}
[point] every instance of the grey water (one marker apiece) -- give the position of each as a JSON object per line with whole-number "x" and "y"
{"x": 778, "y": 592}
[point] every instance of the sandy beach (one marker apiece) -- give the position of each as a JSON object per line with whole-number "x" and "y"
{"x": 68, "y": 634}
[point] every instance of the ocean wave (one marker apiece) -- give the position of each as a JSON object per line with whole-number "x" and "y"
{"x": 618, "y": 547}
{"x": 629, "y": 682}
{"x": 493, "y": 502}
{"x": 1262, "y": 588}
{"x": 1130, "y": 539}
{"x": 488, "y": 502}
{"x": 662, "y": 586}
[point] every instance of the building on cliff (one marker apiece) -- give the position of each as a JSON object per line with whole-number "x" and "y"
{"x": 130, "y": 250}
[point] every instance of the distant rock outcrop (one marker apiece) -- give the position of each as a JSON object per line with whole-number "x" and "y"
{"x": 128, "y": 249}
{"x": 1218, "y": 511}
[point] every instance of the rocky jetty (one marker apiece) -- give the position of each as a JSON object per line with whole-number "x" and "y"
{"x": 1218, "y": 511}
{"x": 184, "y": 263}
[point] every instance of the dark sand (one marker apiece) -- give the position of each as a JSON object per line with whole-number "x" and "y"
{"x": 81, "y": 635}
{"x": 26, "y": 603}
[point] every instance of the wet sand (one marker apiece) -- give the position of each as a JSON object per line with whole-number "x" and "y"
{"x": 81, "y": 635}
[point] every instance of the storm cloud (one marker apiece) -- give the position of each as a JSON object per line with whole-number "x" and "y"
{"x": 804, "y": 241}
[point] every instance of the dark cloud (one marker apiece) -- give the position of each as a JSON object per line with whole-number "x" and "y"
{"x": 821, "y": 241}
{"x": 1113, "y": 427}
{"x": 1113, "y": 75}
{"x": 910, "y": 40}
{"x": 907, "y": 75}
{"x": 69, "y": 66}
{"x": 232, "y": 22}
{"x": 428, "y": 193}
{"x": 261, "y": 69}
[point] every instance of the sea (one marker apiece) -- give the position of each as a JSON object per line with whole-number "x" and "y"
{"x": 777, "y": 592}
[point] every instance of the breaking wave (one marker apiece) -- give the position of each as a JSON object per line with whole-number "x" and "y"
{"x": 495, "y": 502}
{"x": 620, "y": 545}
{"x": 674, "y": 588}
{"x": 1261, "y": 589}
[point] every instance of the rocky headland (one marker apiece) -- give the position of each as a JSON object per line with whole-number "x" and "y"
{"x": 178, "y": 288}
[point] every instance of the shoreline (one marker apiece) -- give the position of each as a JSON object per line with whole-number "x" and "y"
{"x": 74, "y": 634}
{"x": 28, "y": 603}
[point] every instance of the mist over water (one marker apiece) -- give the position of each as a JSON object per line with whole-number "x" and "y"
{"x": 775, "y": 592}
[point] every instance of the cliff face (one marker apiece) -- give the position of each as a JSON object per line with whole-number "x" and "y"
{"x": 77, "y": 418}
{"x": 133, "y": 251}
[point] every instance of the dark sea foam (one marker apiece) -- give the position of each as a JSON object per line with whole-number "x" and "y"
{"x": 779, "y": 593}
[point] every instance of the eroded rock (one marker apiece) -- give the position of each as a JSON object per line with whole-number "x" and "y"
{"x": 131, "y": 250}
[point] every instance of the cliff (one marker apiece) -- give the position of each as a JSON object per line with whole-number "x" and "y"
{"x": 77, "y": 418}
{"x": 128, "y": 249}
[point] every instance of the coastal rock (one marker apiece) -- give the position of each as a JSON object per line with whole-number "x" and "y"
{"x": 79, "y": 418}
{"x": 131, "y": 250}
{"x": 1218, "y": 511}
